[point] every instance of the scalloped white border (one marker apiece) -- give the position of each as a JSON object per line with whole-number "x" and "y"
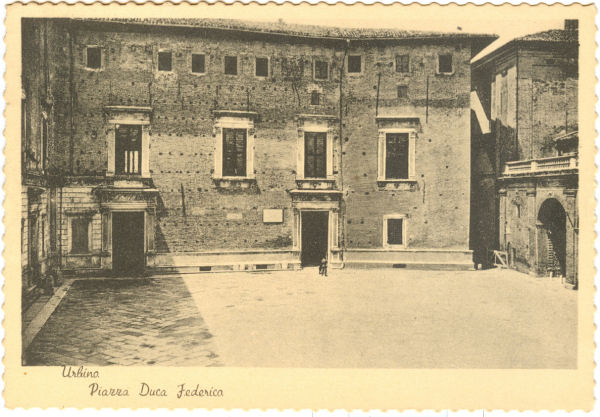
{"x": 70, "y": 412}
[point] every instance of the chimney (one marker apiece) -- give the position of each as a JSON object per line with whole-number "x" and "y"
{"x": 572, "y": 25}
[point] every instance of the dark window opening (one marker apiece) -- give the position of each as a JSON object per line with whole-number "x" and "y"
{"x": 262, "y": 67}
{"x": 205, "y": 268}
{"x": 314, "y": 98}
{"x": 321, "y": 70}
{"x": 402, "y": 63}
{"x": 261, "y": 266}
{"x": 94, "y": 57}
{"x": 402, "y": 91}
{"x": 198, "y": 63}
{"x": 128, "y": 149}
{"x": 44, "y": 143}
{"x": 396, "y": 156}
{"x": 165, "y": 61}
{"x": 234, "y": 152}
{"x": 231, "y": 65}
{"x": 354, "y": 63}
{"x": 394, "y": 231}
{"x": 315, "y": 155}
{"x": 79, "y": 238}
{"x": 445, "y": 63}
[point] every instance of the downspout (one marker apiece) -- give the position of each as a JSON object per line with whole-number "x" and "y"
{"x": 342, "y": 217}
{"x": 517, "y": 105}
{"x": 71, "y": 94}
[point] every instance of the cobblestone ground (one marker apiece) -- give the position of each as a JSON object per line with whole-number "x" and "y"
{"x": 353, "y": 318}
{"x": 389, "y": 319}
{"x": 125, "y": 322}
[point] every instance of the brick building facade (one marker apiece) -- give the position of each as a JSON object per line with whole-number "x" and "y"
{"x": 524, "y": 148}
{"x": 204, "y": 145}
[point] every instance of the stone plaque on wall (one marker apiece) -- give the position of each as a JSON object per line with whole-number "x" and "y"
{"x": 273, "y": 216}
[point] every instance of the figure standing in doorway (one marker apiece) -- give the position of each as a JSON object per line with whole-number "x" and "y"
{"x": 323, "y": 267}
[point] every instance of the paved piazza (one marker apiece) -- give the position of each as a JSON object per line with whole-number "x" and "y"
{"x": 353, "y": 318}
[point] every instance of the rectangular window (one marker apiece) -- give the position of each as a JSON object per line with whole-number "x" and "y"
{"x": 94, "y": 57}
{"x": 44, "y": 235}
{"x": 314, "y": 98}
{"x": 44, "y": 143}
{"x": 234, "y": 152}
{"x": 402, "y": 63}
{"x": 394, "y": 231}
{"x": 262, "y": 67}
{"x": 231, "y": 65}
{"x": 321, "y": 70}
{"x": 354, "y": 63}
{"x": 402, "y": 91}
{"x": 79, "y": 235}
{"x": 396, "y": 156}
{"x": 198, "y": 63}
{"x": 445, "y": 64}
{"x": 315, "y": 155}
{"x": 128, "y": 149}
{"x": 165, "y": 61}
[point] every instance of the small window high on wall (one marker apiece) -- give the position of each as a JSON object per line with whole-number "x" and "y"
{"x": 445, "y": 64}
{"x": 93, "y": 57}
{"x": 198, "y": 63}
{"x": 165, "y": 61}
{"x": 128, "y": 149}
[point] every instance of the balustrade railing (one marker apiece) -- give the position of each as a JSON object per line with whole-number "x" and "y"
{"x": 555, "y": 163}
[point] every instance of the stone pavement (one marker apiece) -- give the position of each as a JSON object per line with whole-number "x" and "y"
{"x": 125, "y": 322}
{"x": 353, "y": 318}
{"x": 389, "y": 319}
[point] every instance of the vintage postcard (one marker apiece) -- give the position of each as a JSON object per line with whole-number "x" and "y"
{"x": 299, "y": 206}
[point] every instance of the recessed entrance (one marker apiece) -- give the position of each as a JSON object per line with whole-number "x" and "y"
{"x": 128, "y": 243}
{"x": 315, "y": 226}
{"x": 552, "y": 238}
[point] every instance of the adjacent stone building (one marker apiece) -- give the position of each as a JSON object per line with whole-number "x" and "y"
{"x": 205, "y": 145}
{"x": 524, "y": 150}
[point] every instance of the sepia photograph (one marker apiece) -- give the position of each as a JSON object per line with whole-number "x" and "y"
{"x": 218, "y": 192}
{"x": 323, "y": 207}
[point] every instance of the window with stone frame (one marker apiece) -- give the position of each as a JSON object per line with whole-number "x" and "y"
{"x": 396, "y": 155}
{"x": 128, "y": 149}
{"x": 315, "y": 155}
{"x": 234, "y": 152}
{"x": 395, "y": 231}
{"x": 80, "y": 234}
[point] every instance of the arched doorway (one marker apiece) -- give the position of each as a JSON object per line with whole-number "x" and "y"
{"x": 552, "y": 238}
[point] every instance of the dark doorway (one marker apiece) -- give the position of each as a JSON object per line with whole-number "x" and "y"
{"x": 552, "y": 238}
{"x": 128, "y": 243}
{"x": 34, "y": 261}
{"x": 315, "y": 225}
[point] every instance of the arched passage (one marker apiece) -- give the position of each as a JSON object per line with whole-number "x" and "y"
{"x": 552, "y": 238}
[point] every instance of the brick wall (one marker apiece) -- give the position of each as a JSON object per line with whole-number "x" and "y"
{"x": 182, "y": 137}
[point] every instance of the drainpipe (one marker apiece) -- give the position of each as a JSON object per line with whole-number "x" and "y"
{"x": 342, "y": 217}
{"x": 71, "y": 94}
